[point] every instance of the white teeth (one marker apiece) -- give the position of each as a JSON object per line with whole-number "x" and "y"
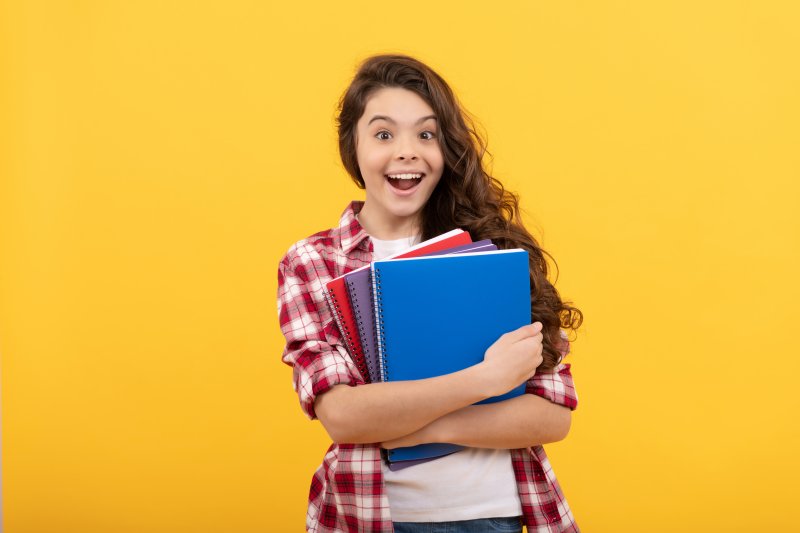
{"x": 405, "y": 176}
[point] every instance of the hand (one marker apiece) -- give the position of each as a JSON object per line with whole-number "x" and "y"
{"x": 512, "y": 359}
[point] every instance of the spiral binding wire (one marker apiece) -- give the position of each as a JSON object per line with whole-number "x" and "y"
{"x": 364, "y": 364}
{"x": 379, "y": 327}
{"x": 348, "y": 335}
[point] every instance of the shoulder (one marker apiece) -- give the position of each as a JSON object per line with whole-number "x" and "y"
{"x": 309, "y": 264}
{"x": 303, "y": 272}
{"x": 328, "y": 253}
{"x": 320, "y": 247}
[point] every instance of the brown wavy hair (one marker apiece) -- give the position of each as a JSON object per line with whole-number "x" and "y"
{"x": 467, "y": 196}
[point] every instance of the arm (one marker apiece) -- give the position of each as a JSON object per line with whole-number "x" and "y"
{"x": 542, "y": 415}
{"x": 324, "y": 374}
{"x": 519, "y": 422}
{"x": 383, "y": 411}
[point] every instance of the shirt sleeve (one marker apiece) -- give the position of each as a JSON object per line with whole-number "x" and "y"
{"x": 556, "y": 385}
{"x": 314, "y": 347}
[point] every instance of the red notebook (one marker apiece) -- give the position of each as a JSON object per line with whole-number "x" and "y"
{"x": 339, "y": 300}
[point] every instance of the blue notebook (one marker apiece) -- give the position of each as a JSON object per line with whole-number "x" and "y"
{"x": 438, "y": 315}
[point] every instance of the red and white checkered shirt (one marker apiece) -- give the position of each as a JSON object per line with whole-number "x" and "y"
{"x": 347, "y": 491}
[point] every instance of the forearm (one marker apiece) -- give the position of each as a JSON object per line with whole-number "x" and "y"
{"x": 379, "y": 412}
{"x": 526, "y": 420}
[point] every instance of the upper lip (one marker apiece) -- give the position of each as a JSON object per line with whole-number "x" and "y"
{"x": 405, "y": 172}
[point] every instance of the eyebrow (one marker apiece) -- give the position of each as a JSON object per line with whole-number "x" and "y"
{"x": 389, "y": 119}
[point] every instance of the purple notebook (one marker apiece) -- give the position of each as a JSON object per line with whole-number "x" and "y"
{"x": 359, "y": 288}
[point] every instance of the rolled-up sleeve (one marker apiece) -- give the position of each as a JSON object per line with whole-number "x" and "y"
{"x": 556, "y": 385}
{"x": 313, "y": 344}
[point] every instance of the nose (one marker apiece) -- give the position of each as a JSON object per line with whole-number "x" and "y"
{"x": 406, "y": 150}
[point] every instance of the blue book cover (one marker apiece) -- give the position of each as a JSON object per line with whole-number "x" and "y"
{"x": 438, "y": 315}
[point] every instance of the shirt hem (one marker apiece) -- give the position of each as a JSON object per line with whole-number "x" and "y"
{"x": 448, "y": 514}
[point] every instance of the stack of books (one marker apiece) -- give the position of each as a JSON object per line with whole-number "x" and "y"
{"x": 429, "y": 311}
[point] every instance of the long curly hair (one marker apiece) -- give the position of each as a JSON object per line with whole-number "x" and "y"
{"x": 467, "y": 196}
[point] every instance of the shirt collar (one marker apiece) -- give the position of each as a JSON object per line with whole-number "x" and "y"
{"x": 350, "y": 231}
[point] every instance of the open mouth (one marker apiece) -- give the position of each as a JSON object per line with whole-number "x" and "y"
{"x": 405, "y": 182}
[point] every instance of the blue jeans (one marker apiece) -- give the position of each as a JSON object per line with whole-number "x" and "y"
{"x": 511, "y": 524}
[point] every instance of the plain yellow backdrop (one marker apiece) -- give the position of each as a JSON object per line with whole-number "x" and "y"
{"x": 158, "y": 158}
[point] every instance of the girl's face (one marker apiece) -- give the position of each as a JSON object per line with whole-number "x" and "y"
{"x": 400, "y": 159}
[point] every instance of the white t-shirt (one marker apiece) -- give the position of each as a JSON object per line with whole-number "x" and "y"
{"x": 466, "y": 485}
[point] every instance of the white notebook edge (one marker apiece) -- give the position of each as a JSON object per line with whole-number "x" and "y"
{"x": 417, "y": 246}
{"x": 454, "y": 256}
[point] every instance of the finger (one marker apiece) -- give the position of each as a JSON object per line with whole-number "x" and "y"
{"x": 529, "y": 344}
{"x": 522, "y": 333}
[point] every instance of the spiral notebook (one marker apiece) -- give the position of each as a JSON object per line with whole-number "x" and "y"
{"x": 437, "y": 315}
{"x": 339, "y": 302}
{"x": 359, "y": 286}
{"x": 335, "y": 296}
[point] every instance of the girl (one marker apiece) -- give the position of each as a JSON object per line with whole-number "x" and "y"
{"x": 404, "y": 138}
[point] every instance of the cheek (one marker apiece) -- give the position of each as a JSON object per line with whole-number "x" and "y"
{"x": 372, "y": 166}
{"x": 436, "y": 157}
{"x": 433, "y": 183}
{"x": 371, "y": 159}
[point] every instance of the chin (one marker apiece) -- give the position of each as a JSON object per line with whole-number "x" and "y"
{"x": 406, "y": 213}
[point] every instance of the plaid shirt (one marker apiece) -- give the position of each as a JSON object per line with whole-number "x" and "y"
{"x": 347, "y": 491}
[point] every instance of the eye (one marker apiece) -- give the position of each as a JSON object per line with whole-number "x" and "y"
{"x": 428, "y": 135}
{"x": 383, "y": 135}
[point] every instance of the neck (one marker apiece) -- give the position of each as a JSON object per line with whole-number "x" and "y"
{"x": 388, "y": 227}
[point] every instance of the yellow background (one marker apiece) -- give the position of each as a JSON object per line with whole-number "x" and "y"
{"x": 158, "y": 158}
